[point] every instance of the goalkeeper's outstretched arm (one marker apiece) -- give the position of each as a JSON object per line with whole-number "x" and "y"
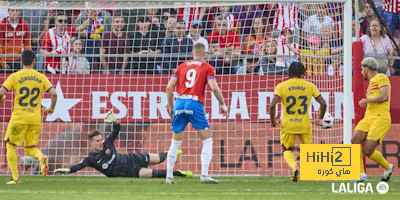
{"x": 110, "y": 118}
{"x": 74, "y": 168}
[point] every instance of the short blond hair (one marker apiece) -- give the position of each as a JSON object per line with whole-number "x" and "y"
{"x": 370, "y": 63}
{"x": 199, "y": 48}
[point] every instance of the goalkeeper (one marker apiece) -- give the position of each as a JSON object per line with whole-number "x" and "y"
{"x": 108, "y": 161}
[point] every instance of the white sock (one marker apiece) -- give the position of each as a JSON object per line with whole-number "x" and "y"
{"x": 206, "y": 156}
{"x": 171, "y": 158}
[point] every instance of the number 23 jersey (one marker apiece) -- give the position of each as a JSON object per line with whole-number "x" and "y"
{"x": 28, "y": 85}
{"x": 193, "y": 76}
{"x": 295, "y": 95}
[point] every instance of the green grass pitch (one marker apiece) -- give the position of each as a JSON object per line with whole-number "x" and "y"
{"x": 231, "y": 188}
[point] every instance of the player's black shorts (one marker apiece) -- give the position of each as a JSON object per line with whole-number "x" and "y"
{"x": 140, "y": 160}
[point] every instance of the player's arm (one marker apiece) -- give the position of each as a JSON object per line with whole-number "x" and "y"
{"x": 322, "y": 109}
{"x": 86, "y": 23}
{"x": 110, "y": 118}
{"x": 379, "y": 99}
{"x": 170, "y": 94}
{"x": 74, "y": 168}
{"x": 2, "y": 94}
{"x": 272, "y": 109}
{"x": 53, "y": 97}
{"x": 218, "y": 94}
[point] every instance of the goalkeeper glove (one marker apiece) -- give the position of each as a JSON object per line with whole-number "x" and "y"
{"x": 110, "y": 117}
{"x": 62, "y": 170}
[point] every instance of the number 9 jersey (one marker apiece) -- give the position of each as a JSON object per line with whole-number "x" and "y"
{"x": 193, "y": 76}
{"x": 28, "y": 85}
{"x": 295, "y": 95}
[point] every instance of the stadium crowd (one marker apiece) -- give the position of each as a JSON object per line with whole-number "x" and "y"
{"x": 156, "y": 41}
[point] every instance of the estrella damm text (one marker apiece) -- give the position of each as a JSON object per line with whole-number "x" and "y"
{"x": 330, "y": 161}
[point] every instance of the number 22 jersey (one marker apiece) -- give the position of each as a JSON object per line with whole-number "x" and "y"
{"x": 193, "y": 76}
{"x": 295, "y": 95}
{"x": 28, "y": 85}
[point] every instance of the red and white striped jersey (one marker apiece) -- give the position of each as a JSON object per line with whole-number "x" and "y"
{"x": 189, "y": 13}
{"x": 392, "y": 6}
{"x": 283, "y": 50}
{"x": 61, "y": 43}
{"x": 286, "y": 16}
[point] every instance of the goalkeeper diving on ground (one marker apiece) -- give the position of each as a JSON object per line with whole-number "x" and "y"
{"x": 106, "y": 159}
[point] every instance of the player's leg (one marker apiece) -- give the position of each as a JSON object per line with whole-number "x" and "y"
{"x": 14, "y": 136}
{"x": 154, "y": 173}
{"x": 378, "y": 130}
{"x": 288, "y": 141}
{"x": 178, "y": 125}
{"x": 206, "y": 155}
{"x": 159, "y": 158}
{"x": 31, "y": 140}
{"x": 199, "y": 121}
{"x": 359, "y": 136}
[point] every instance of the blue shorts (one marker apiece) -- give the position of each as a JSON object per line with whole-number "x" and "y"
{"x": 187, "y": 110}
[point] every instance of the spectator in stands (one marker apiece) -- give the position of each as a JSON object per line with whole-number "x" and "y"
{"x": 327, "y": 37}
{"x": 370, "y": 15}
{"x": 38, "y": 19}
{"x": 254, "y": 42}
{"x": 15, "y": 37}
{"x": 392, "y": 14}
{"x": 154, "y": 15}
{"x": 335, "y": 68}
{"x": 144, "y": 42}
{"x": 229, "y": 42}
{"x": 252, "y": 67}
{"x": 58, "y": 41}
{"x": 225, "y": 11}
{"x": 245, "y": 15}
{"x": 217, "y": 60}
{"x": 309, "y": 56}
{"x": 286, "y": 17}
{"x": 169, "y": 25}
{"x": 215, "y": 57}
{"x": 190, "y": 11}
{"x": 176, "y": 43}
{"x": 100, "y": 23}
{"x": 313, "y": 24}
{"x": 268, "y": 61}
{"x": 115, "y": 42}
{"x": 286, "y": 36}
{"x": 77, "y": 64}
{"x": 196, "y": 28}
{"x": 376, "y": 42}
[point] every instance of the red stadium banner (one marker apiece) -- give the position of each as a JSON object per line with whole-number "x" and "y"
{"x": 249, "y": 146}
{"x": 142, "y": 98}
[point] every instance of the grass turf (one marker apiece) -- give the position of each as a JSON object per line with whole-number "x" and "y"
{"x": 249, "y": 188}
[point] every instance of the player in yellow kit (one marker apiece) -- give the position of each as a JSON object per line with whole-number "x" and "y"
{"x": 26, "y": 120}
{"x": 295, "y": 94}
{"x": 377, "y": 120}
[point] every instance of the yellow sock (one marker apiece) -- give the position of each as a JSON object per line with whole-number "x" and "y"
{"x": 12, "y": 160}
{"x": 361, "y": 161}
{"x": 378, "y": 158}
{"x": 290, "y": 159}
{"x": 34, "y": 152}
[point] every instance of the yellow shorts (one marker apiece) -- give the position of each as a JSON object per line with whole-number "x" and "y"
{"x": 18, "y": 133}
{"x": 289, "y": 139}
{"x": 376, "y": 128}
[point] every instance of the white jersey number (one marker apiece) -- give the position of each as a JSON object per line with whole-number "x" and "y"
{"x": 190, "y": 77}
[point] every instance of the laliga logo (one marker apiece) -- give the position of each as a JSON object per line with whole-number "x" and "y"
{"x": 381, "y": 188}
